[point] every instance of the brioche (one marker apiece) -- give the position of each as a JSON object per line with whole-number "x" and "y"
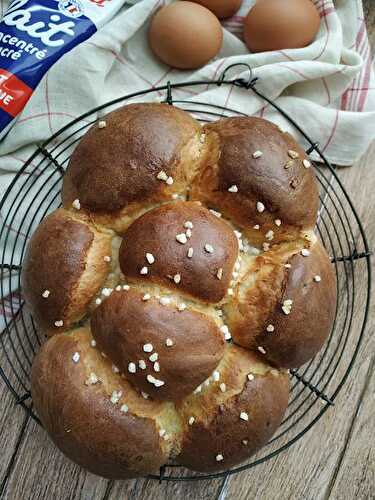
{"x": 178, "y": 284}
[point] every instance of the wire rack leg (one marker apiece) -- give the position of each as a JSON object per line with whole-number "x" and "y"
{"x": 169, "y": 98}
{"x": 162, "y": 473}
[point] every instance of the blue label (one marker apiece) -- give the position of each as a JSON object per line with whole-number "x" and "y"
{"x": 5, "y": 119}
{"x": 35, "y": 33}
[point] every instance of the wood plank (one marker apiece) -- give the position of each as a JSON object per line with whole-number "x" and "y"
{"x": 13, "y": 418}
{"x": 369, "y": 13}
{"x": 356, "y": 472}
{"x": 146, "y": 489}
{"x": 12, "y": 423}
{"x": 41, "y": 471}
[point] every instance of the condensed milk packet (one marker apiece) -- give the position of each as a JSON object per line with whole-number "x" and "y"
{"x": 34, "y": 34}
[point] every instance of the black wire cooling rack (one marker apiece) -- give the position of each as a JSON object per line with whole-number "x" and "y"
{"x": 35, "y": 192}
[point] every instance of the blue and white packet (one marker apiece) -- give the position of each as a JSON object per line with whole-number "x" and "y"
{"x": 34, "y": 34}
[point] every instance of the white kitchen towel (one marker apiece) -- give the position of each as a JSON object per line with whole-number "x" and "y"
{"x": 327, "y": 87}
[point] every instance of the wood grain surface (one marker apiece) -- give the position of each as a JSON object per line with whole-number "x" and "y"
{"x": 335, "y": 459}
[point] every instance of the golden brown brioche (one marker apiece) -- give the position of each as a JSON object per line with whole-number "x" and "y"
{"x": 287, "y": 312}
{"x": 230, "y": 419}
{"x": 80, "y": 401}
{"x": 96, "y": 418}
{"x": 171, "y": 242}
{"x": 257, "y": 175}
{"x": 164, "y": 352}
{"x": 63, "y": 268}
{"x": 192, "y": 250}
{"x": 142, "y": 155}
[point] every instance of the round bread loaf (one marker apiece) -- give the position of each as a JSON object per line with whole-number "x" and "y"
{"x": 125, "y": 323}
{"x": 105, "y": 424}
{"x": 180, "y": 280}
{"x": 80, "y": 401}
{"x": 235, "y": 415}
{"x": 286, "y": 311}
{"x": 63, "y": 269}
{"x": 196, "y": 262}
{"x": 138, "y": 156}
{"x": 256, "y": 175}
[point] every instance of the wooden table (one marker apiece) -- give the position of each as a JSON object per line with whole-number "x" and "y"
{"x": 336, "y": 459}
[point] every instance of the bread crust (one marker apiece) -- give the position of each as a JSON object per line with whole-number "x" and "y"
{"x": 237, "y": 422}
{"x": 156, "y": 233}
{"x": 287, "y": 194}
{"x": 258, "y": 315}
{"x": 113, "y": 171}
{"x": 81, "y": 419}
{"x": 189, "y": 256}
{"x": 125, "y": 323}
{"x": 63, "y": 269}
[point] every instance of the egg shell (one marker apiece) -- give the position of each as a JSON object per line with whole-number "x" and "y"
{"x": 221, "y": 8}
{"x": 281, "y": 24}
{"x": 185, "y": 35}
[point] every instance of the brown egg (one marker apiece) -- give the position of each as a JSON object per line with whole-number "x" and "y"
{"x": 221, "y": 8}
{"x": 281, "y": 24}
{"x": 185, "y": 35}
